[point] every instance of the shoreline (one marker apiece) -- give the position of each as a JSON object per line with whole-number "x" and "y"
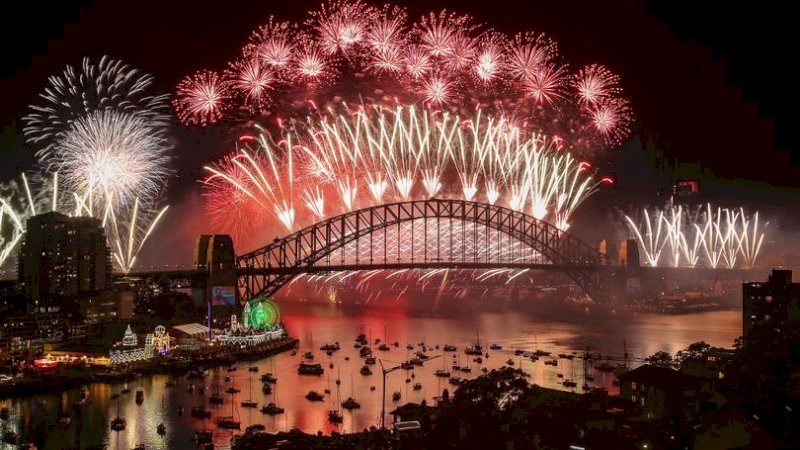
{"x": 181, "y": 363}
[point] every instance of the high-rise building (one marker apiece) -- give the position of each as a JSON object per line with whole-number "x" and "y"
{"x": 62, "y": 257}
{"x": 776, "y": 302}
{"x": 215, "y": 254}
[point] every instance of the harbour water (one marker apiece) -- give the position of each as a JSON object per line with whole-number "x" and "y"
{"x": 36, "y": 419}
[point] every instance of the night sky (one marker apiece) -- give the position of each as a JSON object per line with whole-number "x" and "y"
{"x": 706, "y": 85}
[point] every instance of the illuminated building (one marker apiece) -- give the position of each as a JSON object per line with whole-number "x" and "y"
{"x": 61, "y": 258}
{"x": 129, "y": 350}
{"x": 775, "y": 303}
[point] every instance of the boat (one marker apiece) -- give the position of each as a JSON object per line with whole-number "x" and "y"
{"x": 408, "y": 365}
{"x": 314, "y": 396}
{"x": 465, "y": 369}
{"x": 421, "y": 355}
{"x": 249, "y": 403}
{"x": 126, "y": 390}
{"x": 455, "y": 381}
{"x": 442, "y": 373}
{"x": 139, "y": 396}
{"x": 396, "y": 344}
{"x": 449, "y": 348}
{"x": 268, "y": 378}
{"x": 364, "y": 352}
{"x": 308, "y": 355}
{"x": 510, "y": 362}
{"x": 330, "y": 347}
{"x": 541, "y": 353}
{"x": 294, "y": 352}
{"x": 215, "y": 399}
{"x": 396, "y": 396}
{"x": 118, "y": 424}
{"x": 200, "y": 412}
{"x": 266, "y": 389}
{"x": 310, "y": 369}
{"x": 227, "y": 378}
{"x": 551, "y": 362}
{"x": 232, "y": 390}
{"x": 271, "y": 409}
{"x": 161, "y": 429}
{"x": 334, "y": 416}
{"x": 326, "y": 390}
{"x": 417, "y": 386}
{"x": 230, "y": 422}
{"x": 253, "y": 368}
{"x": 370, "y": 360}
{"x": 365, "y": 370}
{"x": 518, "y": 352}
{"x": 478, "y": 360}
{"x": 203, "y": 436}
{"x": 474, "y": 349}
{"x": 496, "y": 347}
{"x": 560, "y": 375}
{"x": 361, "y": 339}
{"x": 409, "y": 347}
{"x": 350, "y": 403}
{"x": 383, "y": 347}
{"x": 372, "y": 388}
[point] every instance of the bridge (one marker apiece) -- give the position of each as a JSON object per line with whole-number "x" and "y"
{"x": 427, "y": 234}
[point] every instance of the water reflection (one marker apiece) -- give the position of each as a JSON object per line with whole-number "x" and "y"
{"x": 37, "y": 418}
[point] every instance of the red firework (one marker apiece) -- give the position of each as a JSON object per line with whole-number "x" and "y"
{"x": 253, "y": 82}
{"x": 201, "y": 98}
{"x": 595, "y": 83}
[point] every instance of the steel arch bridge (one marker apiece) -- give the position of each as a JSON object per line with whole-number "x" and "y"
{"x": 422, "y": 234}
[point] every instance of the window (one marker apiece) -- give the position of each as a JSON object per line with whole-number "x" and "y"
{"x": 633, "y": 385}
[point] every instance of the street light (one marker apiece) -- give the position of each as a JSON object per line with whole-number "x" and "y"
{"x": 386, "y": 372}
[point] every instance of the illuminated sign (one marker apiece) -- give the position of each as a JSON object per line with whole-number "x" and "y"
{"x": 223, "y": 295}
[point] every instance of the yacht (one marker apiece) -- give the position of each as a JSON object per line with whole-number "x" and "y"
{"x": 271, "y": 409}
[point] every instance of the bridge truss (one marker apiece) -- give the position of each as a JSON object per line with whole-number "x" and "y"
{"x": 422, "y": 234}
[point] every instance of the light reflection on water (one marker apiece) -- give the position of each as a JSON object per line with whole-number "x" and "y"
{"x": 315, "y": 325}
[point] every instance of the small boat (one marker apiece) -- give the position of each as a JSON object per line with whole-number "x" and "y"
{"x": 478, "y": 360}
{"x": 408, "y": 365}
{"x": 372, "y": 388}
{"x": 314, "y": 396}
{"x": 310, "y": 369}
{"x": 271, "y": 409}
{"x": 442, "y": 373}
{"x": 266, "y": 389}
{"x": 396, "y": 396}
{"x": 383, "y": 347}
{"x": 455, "y": 381}
{"x": 347, "y": 358}
{"x": 308, "y": 355}
{"x": 118, "y": 424}
{"x": 510, "y": 362}
{"x": 334, "y": 416}
{"x": 126, "y": 390}
{"x": 139, "y": 396}
{"x": 518, "y": 352}
{"x": 370, "y": 360}
{"x": 361, "y": 339}
{"x": 465, "y": 369}
{"x": 253, "y": 368}
{"x": 364, "y": 352}
{"x": 417, "y": 386}
{"x": 215, "y": 399}
{"x": 338, "y": 381}
{"x": 294, "y": 352}
{"x": 268, "y": 378}
{"x": 329, "y": 353}
{"x": 228, "y": 423}
{"x": 326, "y": 390}
{"x": 496, "y": 347}
{"x": 330, "y": 347}
{"x": 551, "y": 362}
{"x": 365, "y": 370}
{"x": 474, "y": 349}
{"x": 350, "y": 403}
{"x": 409, "y": 347}
{"x": 203, "y": 436}
{"x": 569, "y": 384}
{"x": 449, "y": 348}
{"x": 161, "y": 429}
{"x": 227, "y": 378}
{"x": 421, "y": 356}
{"x": 396, "y": 344}
{"x": 200, "y": 412}
{"x": 232, "y": 390}
{"x": 541, "y": 353}
{"x": 249, "y": 404}
{"x": 408, "y": 380}
{"x": 560, "y": 375}
{"x": 330, "y": 366}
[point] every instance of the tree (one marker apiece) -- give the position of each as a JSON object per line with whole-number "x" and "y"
{"x": 694, "y": 352}
{"x": 660, "y": 359}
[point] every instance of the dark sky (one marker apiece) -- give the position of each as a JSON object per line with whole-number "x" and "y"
{"x": 707, "y": 85}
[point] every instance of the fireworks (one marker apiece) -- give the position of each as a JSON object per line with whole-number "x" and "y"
{"x": 108, "y": 85}
{"x": 126, "y": 235}
{"x": 333, "y": 163}
{"x": 714, "y": 237}
{"x": 443, "y": 59}
{"x": 111, "y": 154}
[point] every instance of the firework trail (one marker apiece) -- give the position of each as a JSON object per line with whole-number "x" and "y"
{"x": 368, "y": 155}
{"x": 713, "y": 237}
{"x": 444, "y": 59}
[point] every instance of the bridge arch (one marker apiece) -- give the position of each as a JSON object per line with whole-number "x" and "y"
{"x": 265, "y": 270}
